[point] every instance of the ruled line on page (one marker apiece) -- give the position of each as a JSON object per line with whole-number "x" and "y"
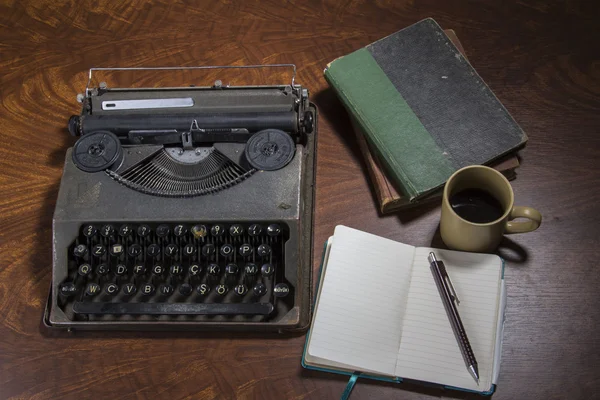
{"x": 430, "y": 352}
{"x": 358, "y": 319}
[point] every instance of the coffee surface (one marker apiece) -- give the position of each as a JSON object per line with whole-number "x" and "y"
{"x": 476, "y": 205}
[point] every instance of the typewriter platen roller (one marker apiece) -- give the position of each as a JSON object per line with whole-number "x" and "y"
{"x": 186, "y": 208}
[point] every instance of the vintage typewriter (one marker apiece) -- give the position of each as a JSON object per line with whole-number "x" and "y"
{"x": 186, "y": 208}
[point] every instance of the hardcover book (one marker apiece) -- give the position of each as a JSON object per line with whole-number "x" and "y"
{"x": 423, "y": 109}
{"x": 389, "y": 197}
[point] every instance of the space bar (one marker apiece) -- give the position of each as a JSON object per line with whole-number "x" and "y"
{"x": 172, "y": 308}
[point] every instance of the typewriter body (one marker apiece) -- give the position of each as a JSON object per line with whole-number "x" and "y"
{"x": 186, "y": 208}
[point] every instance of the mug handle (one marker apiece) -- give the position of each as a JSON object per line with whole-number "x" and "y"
{"x": 533, "y": 215}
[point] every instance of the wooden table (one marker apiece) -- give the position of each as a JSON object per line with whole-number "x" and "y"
{"x": 540, "y": 58}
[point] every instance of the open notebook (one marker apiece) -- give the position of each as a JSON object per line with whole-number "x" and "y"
{"x": 378, "y": 312}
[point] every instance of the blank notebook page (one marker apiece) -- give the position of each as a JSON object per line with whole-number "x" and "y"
{"x": 428, "y": 348}
{"x": 359, "y": 316}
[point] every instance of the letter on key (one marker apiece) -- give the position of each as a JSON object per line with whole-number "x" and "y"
{"x": 148, "y": 289}
{"x": 226, "y": 250}
{"x": 176, "y": 269}
{"x": 129, "y": 289}
{"x": 157, "y": 270}
{"x": 84, "y": 269}
{"x": 171, "y": 250}
{"x": 245, "y": 250}
{"x": 92, "y": 289}
{"x": 222, "y": 290}
{"x": 203, "y": 289}
{"x": 111, "y": 288}
{"x": 194, "y": 269}
{"x": 240, "y": 290}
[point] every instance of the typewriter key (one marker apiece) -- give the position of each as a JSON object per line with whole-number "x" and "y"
{"x": 195, "y": 269}
{"x": 208, "y": 249}
{"x": 80, "y": 250}
{"x": 139, "y": 269}
{"x": 267, "y": 270}
{"x": 98, "y": 250}
{"x": 148, "y": 289}
{"x": 111, "y": 289}
{"x": 176, "y": 270}
{"x": 213, "y": 270}
{"x": 121, "y": 269}
{"x": 231, "y": 270}
{"x": 179, "y": 230}
{"x": 92, "y": 289}
{"x": 89, "y": 230}
{"x": 97, "y": 151}
{"x": 153, "y": 250}
{"x": 116, "y": 249}
{"x": 236, "y": 230}
{"x": 199, "y": 231}
{"x": 102, "y": 269}
{"x": 203, "y": 289}
{"x": 226, "y": 250}
{"x": 107, "y": 230}
{"x": 125, "y": 230}
{"x": 251, "y": 269}
{"x": 217, "y": 230}
{"x": 264, "y": 250}
{"x": 259, "y": 289}
{"x": 245, "y": 250}
{"x": 68, "y": 289}
{"x": 269, "y": 149}
{"x": 171, "y": 250}
{"x": 241, "y": 290}
{"x": 185, "y": 289}
{"x": 281, "y": 290}
{"x": 189, "y": 249}
{"x": 129, "y": 289}
{"x": 273, "y": 230}
{"x": 134, "y": 250}
{"x": 254, "y": 230}
{"x": 162, "y": 231}
{"x": 143, "y": 230}
{"x": 166, "y": 289}
{"x": 222, "y": 289}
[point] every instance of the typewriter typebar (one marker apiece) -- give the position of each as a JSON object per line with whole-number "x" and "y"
{"x": 186, "y": 208}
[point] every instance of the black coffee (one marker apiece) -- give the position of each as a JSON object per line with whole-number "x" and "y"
{"x": 476, "y": 205}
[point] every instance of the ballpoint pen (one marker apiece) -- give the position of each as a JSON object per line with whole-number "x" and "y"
{"x": 451, "y": 302}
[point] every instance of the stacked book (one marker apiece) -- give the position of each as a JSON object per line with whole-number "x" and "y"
{"x": 421, "y": 112}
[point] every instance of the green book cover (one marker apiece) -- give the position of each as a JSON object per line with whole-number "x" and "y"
{"x": 423, "y": 108}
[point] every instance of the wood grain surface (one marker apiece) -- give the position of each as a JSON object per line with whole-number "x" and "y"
{"x": 540, "y": 57}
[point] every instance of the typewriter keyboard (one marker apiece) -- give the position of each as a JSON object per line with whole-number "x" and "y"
{"x": 195, "y": 272}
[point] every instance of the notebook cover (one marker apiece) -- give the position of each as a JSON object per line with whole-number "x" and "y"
{"x": 389, "y": 197}
{"x": 423, "y": 108}
{"x": 398, "y": 379}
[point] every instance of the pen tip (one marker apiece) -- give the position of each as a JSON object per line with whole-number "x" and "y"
{"x": 474, "y": 373}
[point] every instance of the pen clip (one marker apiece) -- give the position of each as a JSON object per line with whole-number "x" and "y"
{"x": 451, "y": 286}
{"x": 444, "y": 274}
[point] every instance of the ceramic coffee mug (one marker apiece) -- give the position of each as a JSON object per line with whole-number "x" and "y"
{"x": 463, "y": 234}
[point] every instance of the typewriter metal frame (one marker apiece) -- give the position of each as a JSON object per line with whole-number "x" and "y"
{"x": 82, "y": 196}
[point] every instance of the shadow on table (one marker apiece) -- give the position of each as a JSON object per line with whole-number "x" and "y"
{"x": 332, "y": 109}
{"x": 40, "y": 261}
{"x": 508, "y": 250}
{"x": 407, "y": 385}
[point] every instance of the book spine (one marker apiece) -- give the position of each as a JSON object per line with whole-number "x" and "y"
{"x": 394, "y": 170}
